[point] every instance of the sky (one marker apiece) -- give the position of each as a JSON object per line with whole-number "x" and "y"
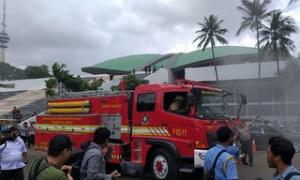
{"x": 81, "y": 33}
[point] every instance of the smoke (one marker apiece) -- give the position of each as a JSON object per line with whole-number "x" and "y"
{"x": 275, "y": 99}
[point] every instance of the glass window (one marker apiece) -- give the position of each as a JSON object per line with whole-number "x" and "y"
{"x": 212, "y": 105}
{"x": 146, "y": 102}
{"x": 175, "y": 102}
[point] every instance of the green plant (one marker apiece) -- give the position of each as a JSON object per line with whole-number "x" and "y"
{"x": 132, "y": 82}
{"x": 50, "y": 85}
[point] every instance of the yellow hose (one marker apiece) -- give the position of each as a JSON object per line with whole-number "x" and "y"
{"x": 69, "y": 104}
{"x": 68, "y": 110}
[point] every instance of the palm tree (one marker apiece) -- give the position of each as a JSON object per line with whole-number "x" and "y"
{"x": 292, "y": 2}
{"x": 276, "y": 36}
{"x": 254, "y": 12}
{"x": 209, "y": 32}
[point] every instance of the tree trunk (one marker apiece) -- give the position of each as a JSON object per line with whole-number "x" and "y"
{"x": 214, "y": 58}
{"x": 259, "y": 66}
{"x": 277, "y": 63}
{"x": 276, "y": 57}
{"x": 258, "y": 53}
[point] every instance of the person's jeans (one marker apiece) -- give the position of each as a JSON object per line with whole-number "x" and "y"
{"x": 25, "y": 139}
{"x": 15, "y": 174}
{"x": 31, "y": 140}
{"x": 247, "y": 150}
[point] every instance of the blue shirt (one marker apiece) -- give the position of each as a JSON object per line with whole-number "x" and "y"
{"x": 234, "y": 151}
{"x": 225, "y": 166}
{"x": 285, "y": 173}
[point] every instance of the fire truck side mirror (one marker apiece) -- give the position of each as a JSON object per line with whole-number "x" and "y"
{"x": 191, "y": 100}
{"x": 243, "y": 99}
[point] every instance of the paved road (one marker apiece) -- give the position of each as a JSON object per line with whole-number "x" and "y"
{"x": 259, "y": 169}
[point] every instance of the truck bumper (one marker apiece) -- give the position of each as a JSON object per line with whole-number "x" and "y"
{"x": 199, "y": 158}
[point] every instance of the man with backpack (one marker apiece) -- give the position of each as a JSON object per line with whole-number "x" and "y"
{"x": 279, "y": 156}
{"x": 52, "y": 167}
{"x": 93, "y": 162}
{"x": 218, "y": 163}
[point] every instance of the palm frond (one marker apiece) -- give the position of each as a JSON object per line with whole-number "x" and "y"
{"x": 292, "y": 2}
{"x": 265, "y": 3}
{"x": 243, "y": 10}
{"x": 221, "y": 39}
{"x": 199, "y": 37}
{"x": 221, "y": 31}
{"x": 245, "y": 24}
{"x": 201, "y": 42}
{"x": 205, "y": 44}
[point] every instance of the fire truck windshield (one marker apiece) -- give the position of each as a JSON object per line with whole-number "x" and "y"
{"x": 212, "y": 105}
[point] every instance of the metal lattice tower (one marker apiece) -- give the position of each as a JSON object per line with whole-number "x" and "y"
{"x": 3, "y": 35}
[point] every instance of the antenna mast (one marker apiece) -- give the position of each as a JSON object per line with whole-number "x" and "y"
{"x": 3, "y": 36}
{"x": 4, "y": 16}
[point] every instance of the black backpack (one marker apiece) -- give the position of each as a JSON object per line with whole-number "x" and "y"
{"x": 210, "y": 175}
{"x": 291, "y": 174}
{"x": 75, "y": 160}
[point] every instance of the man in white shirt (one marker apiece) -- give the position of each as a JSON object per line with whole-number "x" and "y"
{"x": 13, "y": 157}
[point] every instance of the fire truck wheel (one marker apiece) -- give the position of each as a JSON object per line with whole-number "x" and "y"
{"x": 163, "y": 165}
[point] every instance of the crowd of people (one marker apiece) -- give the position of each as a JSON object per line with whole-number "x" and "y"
{"x": 27, "y": 133}
{"x": 13, "y": 158}
{"x": 220, "y": 161}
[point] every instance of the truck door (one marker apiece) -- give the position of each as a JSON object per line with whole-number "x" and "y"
{"x": 168, "y": 128}
{"x": 212, "y": 113}
{"x": 175, "y": 116}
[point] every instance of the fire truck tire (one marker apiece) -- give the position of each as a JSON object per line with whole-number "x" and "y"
{"x": 163, "y": 165}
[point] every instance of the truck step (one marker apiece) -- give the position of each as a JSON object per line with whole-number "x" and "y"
{"x": 186, "y": 170}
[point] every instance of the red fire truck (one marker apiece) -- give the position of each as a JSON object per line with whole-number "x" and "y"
{"x": 146, "y": 133}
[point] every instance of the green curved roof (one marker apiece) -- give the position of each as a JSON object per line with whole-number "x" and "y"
{"x": 222, "y": 51}
{"x": 126, "y": 64}
{"x": 121, "y": 65}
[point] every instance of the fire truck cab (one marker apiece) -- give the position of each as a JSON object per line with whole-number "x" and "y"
{"x": 164, "y": 129}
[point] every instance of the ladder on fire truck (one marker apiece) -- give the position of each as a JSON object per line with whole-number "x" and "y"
{"x": 117, "y": 93}
{"x": 94, "y": 93}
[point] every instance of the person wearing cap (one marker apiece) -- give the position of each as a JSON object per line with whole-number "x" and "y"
{"x": 178, "y": 105}
{"x": 13, "y": 155}
{"x": 218, "y": 160}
